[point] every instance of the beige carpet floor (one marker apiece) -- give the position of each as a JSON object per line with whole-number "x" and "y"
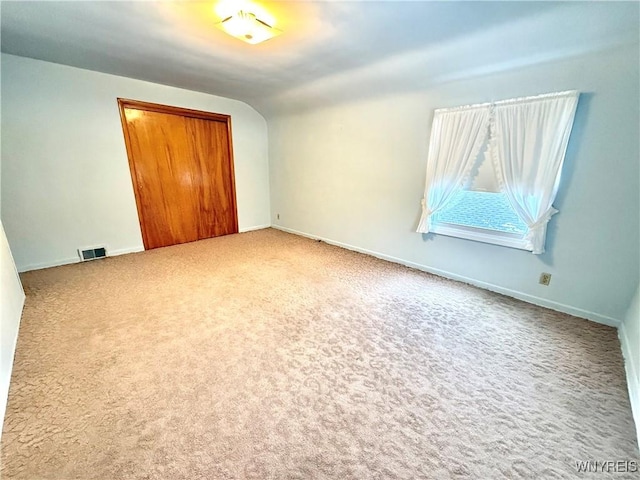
{"x": 269, "y": 356}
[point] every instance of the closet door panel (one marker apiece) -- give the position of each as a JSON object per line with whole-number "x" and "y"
{"x": 182, "y": 170}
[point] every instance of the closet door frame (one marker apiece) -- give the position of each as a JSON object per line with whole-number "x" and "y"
{"x": 124, "y": 103}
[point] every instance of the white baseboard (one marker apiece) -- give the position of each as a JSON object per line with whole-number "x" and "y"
{"x": 251, "y": 229}
{"x": 543, "y": 302}
{"x": 631, "y": 364}
{"x": 54, "y": 263}
{"x": 124, "y": 251}
{"x": 110, "y": 253}
{"x": 76, "y": 259}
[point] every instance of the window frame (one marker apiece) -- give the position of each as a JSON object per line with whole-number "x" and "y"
{"x": 481, "y": 234}
{"x": 537, "y": 169}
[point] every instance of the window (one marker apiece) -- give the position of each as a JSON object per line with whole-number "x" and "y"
{"x": 505, "y": 194}
{"x": 485, "y": 210}
{"x": 480, "y": 212}
{"x": 483, "y": 217}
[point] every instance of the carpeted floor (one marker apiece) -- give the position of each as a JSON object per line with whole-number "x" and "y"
{"x": 269, "y": 356}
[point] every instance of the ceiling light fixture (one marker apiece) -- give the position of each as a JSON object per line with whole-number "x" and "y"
{"x": 247, "y": 27}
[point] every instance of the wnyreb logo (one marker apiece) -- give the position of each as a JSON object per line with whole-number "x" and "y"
{"x": 607, "y": 466}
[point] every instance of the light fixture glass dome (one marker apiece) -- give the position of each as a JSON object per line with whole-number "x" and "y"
{"x": 248, "y": 28}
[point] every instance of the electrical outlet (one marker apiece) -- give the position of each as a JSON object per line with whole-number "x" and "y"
{"x": 545, "y": 278}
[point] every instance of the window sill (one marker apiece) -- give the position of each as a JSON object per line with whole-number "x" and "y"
{"x": 494, "y": 237}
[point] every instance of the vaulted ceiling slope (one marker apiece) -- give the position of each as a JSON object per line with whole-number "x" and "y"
{"x": 329, "y": 50}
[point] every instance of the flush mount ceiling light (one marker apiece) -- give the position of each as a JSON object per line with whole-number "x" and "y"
{"x": 247, "y": 27}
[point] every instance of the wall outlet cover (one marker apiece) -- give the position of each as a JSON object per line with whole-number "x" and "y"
{"x": 545, "y": 278}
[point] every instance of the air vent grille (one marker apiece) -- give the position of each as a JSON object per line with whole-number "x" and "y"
{"x": 92, "y": 253}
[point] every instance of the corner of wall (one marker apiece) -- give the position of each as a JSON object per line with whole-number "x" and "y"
{"x": 11, "y": 311}
{"x": 632, "y": 378}
{"x": 629, "y": 335}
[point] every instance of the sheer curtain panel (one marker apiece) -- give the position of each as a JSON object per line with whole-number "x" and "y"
{"x": 456, "y": 138}
{"x": 528, "y": 142}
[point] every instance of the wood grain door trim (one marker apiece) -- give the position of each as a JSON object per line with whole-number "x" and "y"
{"x": 184, "y": 112}
{"x": 124, "y": 103}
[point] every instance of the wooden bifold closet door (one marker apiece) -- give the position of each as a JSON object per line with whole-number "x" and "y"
{"x": 182, "y": 171}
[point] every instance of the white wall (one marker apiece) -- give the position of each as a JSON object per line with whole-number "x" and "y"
{"x": 630, "y": 340}
{"x": 353, "y": 173}
{"x": 11, "y": 302}
{"x": 65, "y": 178}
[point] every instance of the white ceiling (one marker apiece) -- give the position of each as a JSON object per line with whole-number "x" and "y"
{"x": 329, "y": 49}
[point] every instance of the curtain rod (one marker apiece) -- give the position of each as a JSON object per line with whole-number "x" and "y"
{"x": 510, "y": 101}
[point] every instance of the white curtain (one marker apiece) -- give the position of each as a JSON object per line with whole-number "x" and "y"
{"x": 456, "y": 138}
{"x": 528, "y": 143}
